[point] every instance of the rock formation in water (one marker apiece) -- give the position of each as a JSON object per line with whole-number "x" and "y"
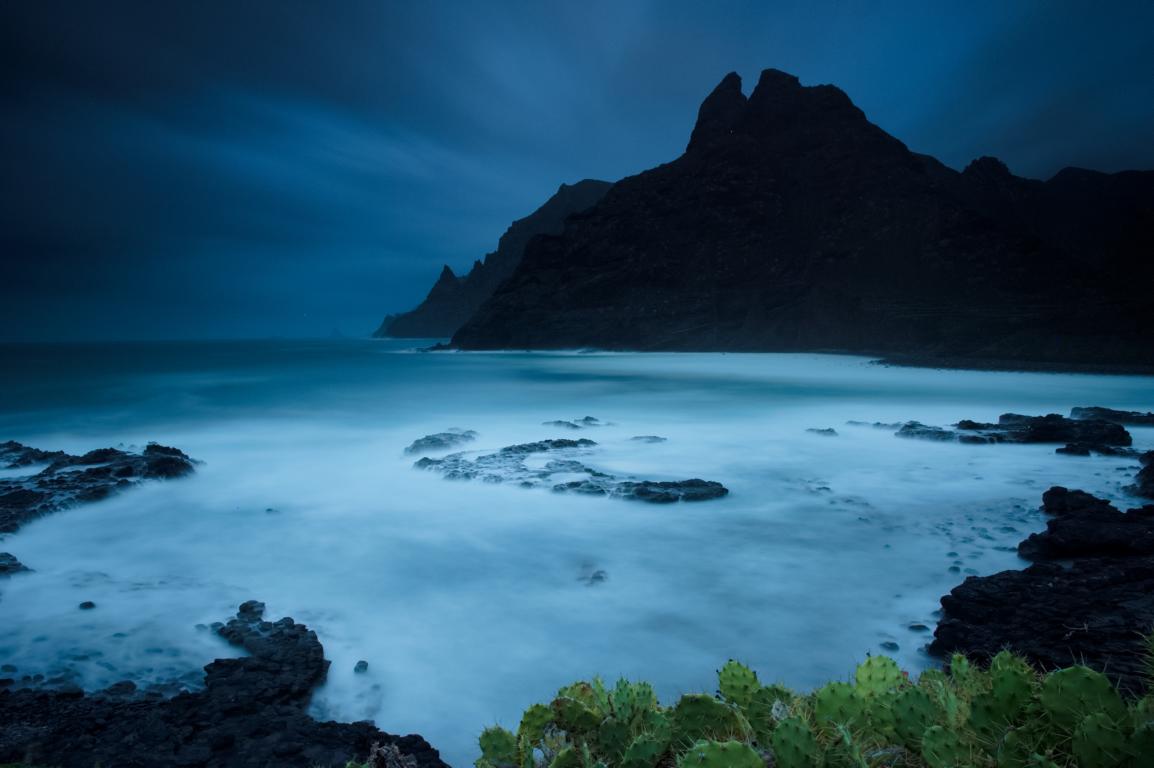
{"x": 69, "y": 480}
{"x": 453, "y": 299}
{"x": 565, "y": 473}
{"x": 1081, "y": 436}
{"x": 252, "y": 712}
{"x": 1088, "y": 598}
{"x": 793, "y": 223}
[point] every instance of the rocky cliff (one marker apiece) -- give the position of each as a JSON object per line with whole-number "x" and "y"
{"x": 793, "y": 223}
{"x": 453, "y": 299}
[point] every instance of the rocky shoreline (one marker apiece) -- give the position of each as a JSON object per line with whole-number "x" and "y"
{"x": 1087, "y": 599}
{"x": 251, "y": 712}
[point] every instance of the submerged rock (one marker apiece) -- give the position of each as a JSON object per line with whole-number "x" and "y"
{"x": 70, "y": 480}
{"x": 826, "y": 432}
{"x": 1093, "y": 607}
{"x": 582, "y": 423}
{"x": 441, "y": 441}
{"x": 10, "y": 565}
{"x": 511, "y": 465}
{"x": 252, "y": 712}
{"x": 649, "y": 439}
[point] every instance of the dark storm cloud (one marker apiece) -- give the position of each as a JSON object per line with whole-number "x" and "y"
{"x": 254, "y": 168}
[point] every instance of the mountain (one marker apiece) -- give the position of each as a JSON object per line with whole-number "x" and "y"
{"x": 453, "y": 300}
{"x": 793, "y": 223}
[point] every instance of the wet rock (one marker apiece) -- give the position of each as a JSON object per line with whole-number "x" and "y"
{"x": 71, "y": 480}
{"x": 252, "y": 712}
{"x": 1081, "y": 436}
{"x": 827, "y": 432}
{"x": 441, "y": 441}
{"x": 1084, "y": 526}
{"x": 916, "y": 429}
{"x": 510, "y": 465}
{"x": 14, "y": 455}
{"x": 1093, "y": 606}
{"x": 361, "y": 667}
{"x": 1144, "y": 482}
{"x": 875, "y": 424}
{"x": 87, "y": 605}
{"x": 890, "y": 645}
{"x": 1092, "y": 612}
{"x": 10, "y": 565}
{"x": 582, "y": 423}
{"x": 1131, "y": 418}
{"x": 649, "y": 439}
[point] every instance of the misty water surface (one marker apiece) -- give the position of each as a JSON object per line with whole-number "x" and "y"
{"x": 471, "y": 601}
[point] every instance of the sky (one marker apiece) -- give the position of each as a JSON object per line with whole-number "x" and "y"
{"x": 259, "y": 168}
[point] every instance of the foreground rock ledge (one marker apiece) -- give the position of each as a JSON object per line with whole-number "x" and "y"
{"x": 252, "y": 712}
{"x": 1088, "y": 599}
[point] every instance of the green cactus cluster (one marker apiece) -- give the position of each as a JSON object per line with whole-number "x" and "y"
{"x": 1000, "y": 715}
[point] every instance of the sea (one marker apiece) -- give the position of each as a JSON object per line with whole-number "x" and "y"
{"x": 472, "y": 600}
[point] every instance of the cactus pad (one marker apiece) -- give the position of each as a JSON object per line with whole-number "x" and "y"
{"x": 737, "y": 683}
{"x": 1068, "y": 695}
{"x": 877, "y": 675}
{"x": 498, "y": 746}
{"x": 794, "y": 745}
{"x": 720, "y": 754}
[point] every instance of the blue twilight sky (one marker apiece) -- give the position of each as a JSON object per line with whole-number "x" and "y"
{"x": 280, "y": 167}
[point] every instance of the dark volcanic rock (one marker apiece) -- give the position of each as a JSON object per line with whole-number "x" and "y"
{"x": 70, "y": 480}
{"x": 10, "y": 565}
{"x": 14, "y": 455}
{"x": 1083, "y": 526}
{"x": 250, "y": 713}
{"x": 1093, "y": 610}
{"x": 1080, "y": 435}
{"x": 510, "y": 465}
{"x": 793, "y": 223}
{"x": 441, "y": 441}
{"x": 453, "y": 300}
{"x": 1132, "y": 418}
{"x": 1144, "y": 482}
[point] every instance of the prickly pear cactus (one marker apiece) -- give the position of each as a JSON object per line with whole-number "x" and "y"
{"x": 613, "y": 736}
{"x": 498, "y": 746}
{"x": 768, "y": 705}
{"x": 1098, "y": 742}
{"x": 1142, "y": 745}
{"x": 574, "y": 716}
{"x": 737, "y": 683}
{"x": 629, "y": 700}
{"x": 582, "y": 692}
{"x": 533, "y": 723}
{"x": 720, "y": 754}
{"x": 1068, "y": 695}
{"x": 698, "y": 717}
{"x": 567, "y": 758}
{"x": 643, "y": 752}
{"x": 794, "y": 745}
{"x": 878, "y": 675}
{"x": 914, "y": 712}
{"x": 944, "y": 749}
{"x": 837, "y": 703}
{"x": 1011, "y": 684}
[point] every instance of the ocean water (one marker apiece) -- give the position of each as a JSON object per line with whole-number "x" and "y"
{"x": 472, "y": 600}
